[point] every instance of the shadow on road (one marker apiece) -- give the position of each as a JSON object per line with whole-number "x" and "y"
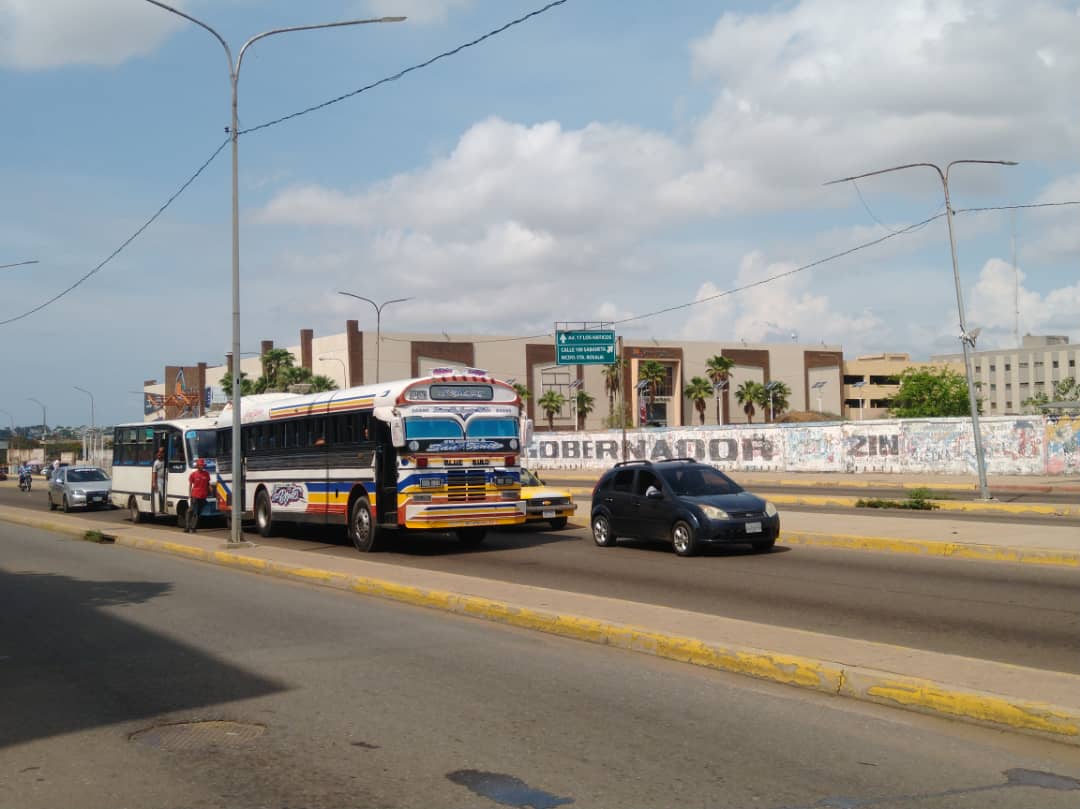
{"x": 68, "y": 663}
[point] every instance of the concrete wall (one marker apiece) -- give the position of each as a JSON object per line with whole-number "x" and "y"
{"x": 1013, "y": 446}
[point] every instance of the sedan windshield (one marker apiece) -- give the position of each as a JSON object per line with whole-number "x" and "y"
{"x": 698, "y": 481}
{"x": 86, "y": 476}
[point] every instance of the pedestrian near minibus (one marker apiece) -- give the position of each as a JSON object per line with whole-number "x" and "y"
{"x": 157, "y": 483}
{"x": 198, "y": 492}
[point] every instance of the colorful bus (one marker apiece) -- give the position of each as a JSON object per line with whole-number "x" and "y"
{"x": 437, "y": 453}
{"x": 134, "y": 448}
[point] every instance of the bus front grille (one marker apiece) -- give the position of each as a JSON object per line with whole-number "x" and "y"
{"x": 465, "y": 485}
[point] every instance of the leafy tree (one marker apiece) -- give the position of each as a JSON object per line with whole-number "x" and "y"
{"x": 585, "y": 404}
{"x": 1064, "y": 390}
{"x": 698, "y": 390}
{"x": 246, "y": 385}
{"x": 717, "y": 370}
{"x": 931, "y": 392}
{"x": 747, "y": 395}
{"x": 655, "y": 374}
{"x": 552, "y": 403}
{"x": 613, "y": 375}
{"x": 523, "y": 392}
{"x": 773, "y": 401}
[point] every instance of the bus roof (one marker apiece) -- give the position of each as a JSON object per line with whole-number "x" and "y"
{"x": 199, "y": 423}
{"x": 272, "y": 406}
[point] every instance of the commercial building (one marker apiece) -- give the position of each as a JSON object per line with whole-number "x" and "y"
{"x": 353, "y": 358}
{"x": 1010, "y": 376}
{"x": 872, "y": 380}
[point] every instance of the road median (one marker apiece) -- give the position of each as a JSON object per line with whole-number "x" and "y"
{"x": 1029, "y": 701}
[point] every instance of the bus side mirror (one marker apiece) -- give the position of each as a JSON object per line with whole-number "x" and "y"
{"x": 397, "y": 431}
{"x": 526, "y": 434}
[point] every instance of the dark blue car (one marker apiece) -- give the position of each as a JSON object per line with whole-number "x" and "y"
{"x": 685, "y": 502}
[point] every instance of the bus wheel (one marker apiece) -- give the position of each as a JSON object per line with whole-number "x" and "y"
{"x": 133, "y": 509}
{"x": 181, "y": 515}
{"x": 264, "y": 518}
{"x": 362, "y": 532}
{"x": 471, "y": 537}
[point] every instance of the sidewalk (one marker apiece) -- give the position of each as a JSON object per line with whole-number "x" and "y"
{"x": 1062, "y": 484}
{"x": 1031, "y": 701}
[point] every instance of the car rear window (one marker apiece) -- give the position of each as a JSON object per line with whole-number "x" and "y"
{"x": 623, "y": 481}
{"x": 695, "y": 481}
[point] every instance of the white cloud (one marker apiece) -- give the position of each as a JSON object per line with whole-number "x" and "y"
{"x": 418, "y": 11}
{"x": 40, "y": 34}
{"x": 994, "y": 302}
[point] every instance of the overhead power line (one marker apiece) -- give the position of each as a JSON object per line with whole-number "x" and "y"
{"x": 217, "y": 151}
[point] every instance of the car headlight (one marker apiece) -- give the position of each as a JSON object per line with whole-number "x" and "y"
{"x": 770, "y": 509}
{"x": 714, "y": 513}
{"x": 79, "y": 492}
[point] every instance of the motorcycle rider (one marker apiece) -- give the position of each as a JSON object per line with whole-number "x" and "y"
{"x": 26, "y": 479}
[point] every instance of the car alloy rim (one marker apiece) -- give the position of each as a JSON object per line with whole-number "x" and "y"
{"x": 682, "y": 538}
{"x": 600, "y": 529}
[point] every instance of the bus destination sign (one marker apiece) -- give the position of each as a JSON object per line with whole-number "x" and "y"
{"x": 585, "y": 347}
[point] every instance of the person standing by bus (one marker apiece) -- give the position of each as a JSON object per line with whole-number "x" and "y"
{"x": 198, "y": 492}
{"x": 157, "y": 483}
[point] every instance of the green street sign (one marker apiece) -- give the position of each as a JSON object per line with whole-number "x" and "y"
{"x": 585, "y": 347}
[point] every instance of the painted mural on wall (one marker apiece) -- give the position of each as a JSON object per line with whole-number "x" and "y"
{"x": 1063, "y": 446}
{"x": 1027, "y": 445}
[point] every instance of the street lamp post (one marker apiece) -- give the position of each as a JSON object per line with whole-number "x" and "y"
{"x": 859, "y": 384}
{"x": 235, "y": 537}
{"x": 770, "y": 387}
{"x": 378, "y": 322}
{"x": 44, "y": 429}
{"x": 93, "y": 426}
{"x": 818, "y": 386}
{"x": 718, "y": 388}
{"x": 967, "y": 339}
{"x": 344, "y": 370}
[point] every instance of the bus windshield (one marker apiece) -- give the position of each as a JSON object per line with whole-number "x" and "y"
{"x": 201, "y": 444}
{"x": 432, "y": 428}
{"x": 491, "y": 428}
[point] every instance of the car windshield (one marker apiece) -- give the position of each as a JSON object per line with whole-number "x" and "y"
{"x": 86, "y": 476}
{"x": 529, "y": 479}
{"x": 697, "y": 481}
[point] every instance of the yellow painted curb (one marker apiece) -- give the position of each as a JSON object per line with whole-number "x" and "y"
{"x": 930, "y": 547}
{"x": 854, "y": 682}
{"x": 970, "y": 507}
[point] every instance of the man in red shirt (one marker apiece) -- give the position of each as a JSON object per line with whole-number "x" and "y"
{"x": 198, "y": 491}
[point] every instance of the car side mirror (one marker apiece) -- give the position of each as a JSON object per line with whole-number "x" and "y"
{"x": 655, "y": 494}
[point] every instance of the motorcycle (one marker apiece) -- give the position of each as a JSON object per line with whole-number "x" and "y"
{"x": 26, "y": 481}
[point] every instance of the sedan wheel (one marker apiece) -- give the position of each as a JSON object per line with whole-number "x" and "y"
{"x": 52, "y": 505}
{"x": 601, "y": 531}
{"x": 682, "y": 538}
{"x": 65, "y": 505}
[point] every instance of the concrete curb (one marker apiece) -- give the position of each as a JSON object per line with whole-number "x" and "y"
{"x": 932, "y": 547}
{"x": 854, "y": 682}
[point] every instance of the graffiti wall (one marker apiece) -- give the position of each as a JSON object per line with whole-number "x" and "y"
{"x": 1028, "y": 445}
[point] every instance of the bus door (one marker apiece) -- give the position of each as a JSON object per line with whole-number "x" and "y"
{"x": 176, "y": 463}
{"x": 386, "y": 475}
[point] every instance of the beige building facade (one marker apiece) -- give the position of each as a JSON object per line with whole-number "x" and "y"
{"x": 1009, "y": 377}
{"x": 872, "y": 380}
{"x": 353, "y": 357}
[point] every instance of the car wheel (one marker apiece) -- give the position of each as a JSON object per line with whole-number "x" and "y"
{"x": 362, "y": 531}
{"x": 66, "y": 508}
{"x": 682, "y": 538}
{"x": 264, "y": 517}
{"x": 471, "y": 537}
{"x": 133, "y": 509}
{"x": 764, "y": 546}
{"x": 601, "y": 531}
{"x": 558, "y": 523}
{"x": 52, "y": 505}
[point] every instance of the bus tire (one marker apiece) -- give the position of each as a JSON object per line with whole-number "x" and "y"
{"x": 471, "y": 537}
{"x": 133, "y": 509}
{"x": 264, "y": 515}
{"x": 362, "y": 531}
{"x": 181, "y": 514}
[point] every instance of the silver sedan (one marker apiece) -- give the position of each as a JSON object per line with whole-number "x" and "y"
{"x": 79, "y": 487}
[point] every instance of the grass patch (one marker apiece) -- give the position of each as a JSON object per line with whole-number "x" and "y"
{"x": 98, "y": 537}
{"x": 917, "y": 500}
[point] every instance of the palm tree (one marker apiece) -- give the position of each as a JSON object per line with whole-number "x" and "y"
{"x": 523, "y": 392}
{"x": 655, "y": 374}
{"x": 246, "y": 386}
{"x": 585, "y": 404}
{"x": 746, "y": 395}
{"x": 718, "y": 369}
{"x": 551, "y": 402}
{"x": 772, "y": 398}
{"x": 697, "y": 391}
{"x": 613, "y": 384}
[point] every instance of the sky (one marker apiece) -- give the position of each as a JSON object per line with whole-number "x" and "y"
{"x": 601, "y": 160}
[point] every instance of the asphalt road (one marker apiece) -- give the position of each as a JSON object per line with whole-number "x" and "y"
{"x": 1018, "y": 614}
{"x": 131, "y": 679}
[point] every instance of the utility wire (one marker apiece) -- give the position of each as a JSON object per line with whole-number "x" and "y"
{"x": 126, "y": 242}
{"x": 401, "y": 73}
{"x": 266, "y": 125}
{"x": 18, "y": 264}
